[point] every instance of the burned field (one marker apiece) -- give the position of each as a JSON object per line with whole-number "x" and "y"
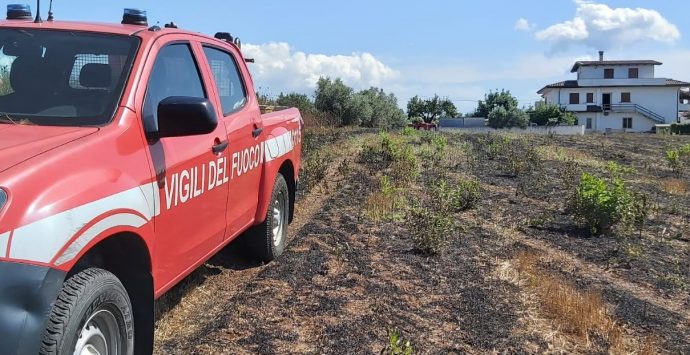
{"x": 448, "y": 243}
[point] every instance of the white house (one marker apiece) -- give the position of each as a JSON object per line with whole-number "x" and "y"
{"x": 619, "y": 95}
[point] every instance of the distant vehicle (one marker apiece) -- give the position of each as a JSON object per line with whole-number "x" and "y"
{"x": 424, "y": 126}
{"x": 129, "y": 156}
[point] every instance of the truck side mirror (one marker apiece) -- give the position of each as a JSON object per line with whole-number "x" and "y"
{"x": 180, "y": 116}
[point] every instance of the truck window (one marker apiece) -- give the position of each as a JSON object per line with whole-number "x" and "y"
{"x": 175, "y": 73}
{"x": 41, "y": 82}
{"x": 226, "y": 73}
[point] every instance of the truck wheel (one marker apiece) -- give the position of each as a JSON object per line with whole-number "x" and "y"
{"x": 267, "y": 240}
{"x": 92, "y": 315}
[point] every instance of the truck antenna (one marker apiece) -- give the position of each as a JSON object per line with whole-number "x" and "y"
{"x": 38, "y": 12}
{"x": 50, "y": 11}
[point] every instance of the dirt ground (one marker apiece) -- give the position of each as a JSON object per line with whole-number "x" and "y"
{"x": 349, "y": 276}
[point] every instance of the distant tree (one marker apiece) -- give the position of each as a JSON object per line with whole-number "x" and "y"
{"x": 495, "y": 99}
{"x": 333, "y": 97}
{"x": 551, "y": 115}
{"x": 500, "y": 117}
{"x": 369, "y": 108}
{"x": 357, "y": 109}
{"x": 293, "y": 99}
{"x": 385, "y": 112}
{"x": 430, "y": 109}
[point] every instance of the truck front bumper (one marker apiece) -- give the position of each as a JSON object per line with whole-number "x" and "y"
{"x": 27, "y": 295}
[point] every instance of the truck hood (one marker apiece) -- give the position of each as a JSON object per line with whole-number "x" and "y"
{"x": 19, "y": 143}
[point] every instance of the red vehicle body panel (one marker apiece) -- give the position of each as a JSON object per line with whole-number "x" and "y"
{"x": 70, "y": 188}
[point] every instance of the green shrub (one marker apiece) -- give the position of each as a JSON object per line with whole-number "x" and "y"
{"x": 522, "y": 158}
{"x": 681, "y": 129}
{"x": 493, "y": 145}
{"x": 440, "y": 143}
{"x": 678, "y": 159}
{"x": 500, "y": 117}
{"x": 397, "y": 344}
{"x": 409, "y": 131}
{"x": 463, "y": 196}
{"x": 426, "y": 137}
{"x": 601, "y": 205}
{"x": 430, "y": 230}
{"x": 405, "y": 167}
{"x": 617, "y": 170}
{"x": 394, "y": 153}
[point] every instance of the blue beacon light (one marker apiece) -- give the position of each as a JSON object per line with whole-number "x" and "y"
{"x": 19, "y": 12}
{"x": 135, "y": 17}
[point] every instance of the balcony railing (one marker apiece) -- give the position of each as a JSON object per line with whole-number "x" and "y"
{"x": 635, "y": 108}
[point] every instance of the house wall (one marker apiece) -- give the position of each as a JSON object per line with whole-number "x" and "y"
{"x": 661, "y": 100}
{"x": 619, "y": 71}
{"x": 614, "y": 121}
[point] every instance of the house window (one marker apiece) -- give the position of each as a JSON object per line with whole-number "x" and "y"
{"x": 574, "y": 98}
{"x": 627, "y": 123}
{"x": 633, "y": 73}
{"x": 625, "y": 97}
{"x": 608, "y": 73}
{"x": 589, "y": 123}
{"x": 590, "y": 97}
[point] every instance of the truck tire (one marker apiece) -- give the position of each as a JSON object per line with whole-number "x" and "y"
{"x": 93, "y": 314}
{"x": 267, "y": 240}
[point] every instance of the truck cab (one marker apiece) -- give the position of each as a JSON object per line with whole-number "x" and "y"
{"x": 129, "y": 155}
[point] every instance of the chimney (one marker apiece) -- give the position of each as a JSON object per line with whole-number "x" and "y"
{"x": 601, "y": 56}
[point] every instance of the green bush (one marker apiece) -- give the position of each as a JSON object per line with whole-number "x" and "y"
{"x": 426, "y": 137}
{"x": 397, "y": 344}
{"x": 391, "y": 152}
{"x": 678, "y": 158}
{"x": 681, "y": 129}
{"x": 601, "y": 205}
{"x": 522, "y": 158}
{"x": 440, "y": 143}
{"x": 493, "y": 145}
{"x": 405, "y": 167}
{"x": 551, "y": 115}
{"x": 430, "y": 230}
{"x": 409, "y": 131}
{"x": 460, "y": 197}
{"x": 499, "y": 117}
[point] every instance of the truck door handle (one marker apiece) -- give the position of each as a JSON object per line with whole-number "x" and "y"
{"x": 220, "y": 147}
{"x": 257, "y": 132}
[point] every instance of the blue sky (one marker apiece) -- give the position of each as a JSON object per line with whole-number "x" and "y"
{"x": 458, "y": 49}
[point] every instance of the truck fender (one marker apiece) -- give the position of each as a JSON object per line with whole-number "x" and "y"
{"x": 278, "y": 148}
{"x": 60, "y": 239}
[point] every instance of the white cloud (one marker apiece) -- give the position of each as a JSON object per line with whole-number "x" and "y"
{"x": 602, "y": 27}
{"x": 523, "y": 24}
{"x": 279, "y": 67}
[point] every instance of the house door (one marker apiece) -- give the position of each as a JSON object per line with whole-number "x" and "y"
{"x": 606, "y": 101}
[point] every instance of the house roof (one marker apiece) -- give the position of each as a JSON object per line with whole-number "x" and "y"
{"x": 584, "y": 63}
{"x": 672, "y": 82}
{"x": 574, "y": 84}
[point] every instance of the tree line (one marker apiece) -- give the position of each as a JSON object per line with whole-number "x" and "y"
{"x": 375, "y": 108}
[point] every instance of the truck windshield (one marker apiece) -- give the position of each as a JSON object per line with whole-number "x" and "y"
{"x": 62, "y": 78}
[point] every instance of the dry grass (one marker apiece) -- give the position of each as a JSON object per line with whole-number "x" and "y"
{"x": 582, "y": 314}
{"x": 550, "y": 152}
{"x": 674, "y": 186}
{"x": 378, "y": 206}
{"x": 382, "y": 205}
